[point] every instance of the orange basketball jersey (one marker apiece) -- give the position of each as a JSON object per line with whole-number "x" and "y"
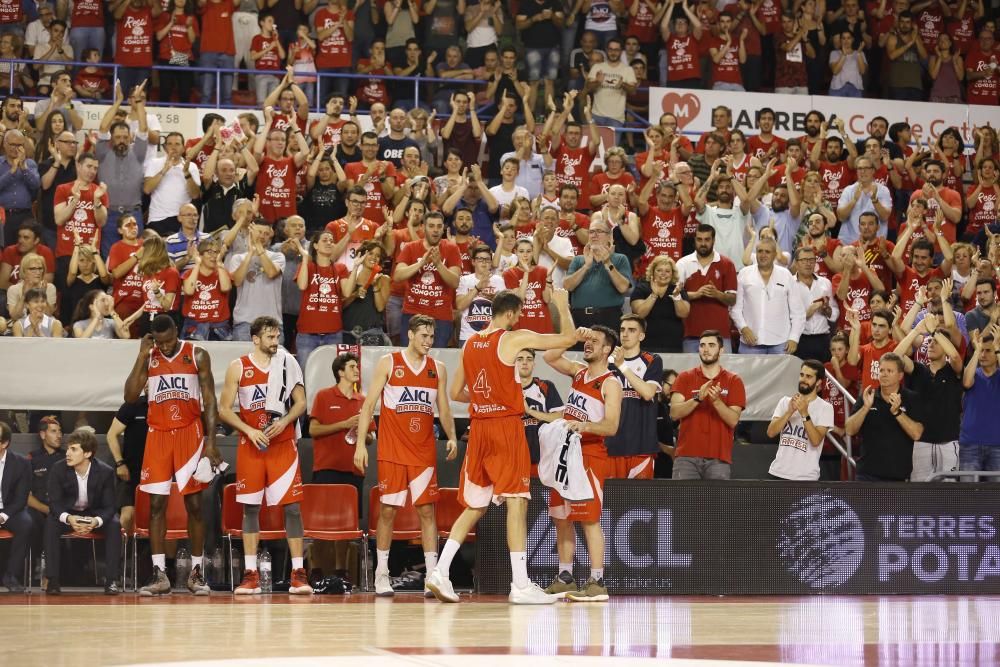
{"x": 585, "y": 403}
{"x": 252, "y": 395}
{"x": 494, "y": 388}
{"x": 406, "y": 421}
{"x": 173, "y": 389}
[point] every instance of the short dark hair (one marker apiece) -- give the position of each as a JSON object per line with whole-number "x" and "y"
{"x": 893, "y": 358}
{"x": 987, "y": 281}
{"x": 884, "y": 314}
{"x": 83, "y": 157}
{"x": 32, "y": 226}
{"x": 479, "y": 249}
{"x": 5, "y": 433}
{"x": 85, "y": 438}
{"x": 922, "y": 244}
{"x": 49, "y": 420}
{"x": 35, "y": 294}
{"x": 210, "y": 118}
{"x": 118, "y": 124}
{"x": 635, "y": 318}
{"x": 705, "y": 229}
{"x": 341, "y": 361}
{"x": 934, "y": 163}
{"x": 568, "y": 186}
{"x": 418, "y": 321}
{"x": 369, "y": 135}
{"x": 712, "y": 333}
{"x": 610, "y": 337}
{"x": 263, "y": 322}
{"x": 506, "y": 301}
{"x": 162, "y": 323}
{"x": 357, "y": 190}
{"x": 817, "y": 367}
{"x": 437, "y": 215}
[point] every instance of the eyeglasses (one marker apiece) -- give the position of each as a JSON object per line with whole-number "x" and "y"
{"x": 599, "y": 231}
{"x": 357, "y": 202}
{"x": 68, "y": 141}
{"x": 481, "y": 259}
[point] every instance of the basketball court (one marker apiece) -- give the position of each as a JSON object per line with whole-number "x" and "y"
{"x": 276, "y": 630}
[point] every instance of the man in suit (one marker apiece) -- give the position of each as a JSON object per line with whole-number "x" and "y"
{"x": 15, "y": 477}
{"x": 82, "y": 500}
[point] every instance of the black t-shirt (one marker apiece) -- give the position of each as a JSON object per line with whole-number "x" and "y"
{"x": 344, "y": 159}
{"x": 506, "y": 83}
{"x": 391, "y": 150}
{"x": 323, "y": 204}
{"x": 942, "y": 396}
{"x": 542, "y": 396}
{"x": 47, "y": 200}
{"x": 664, "y": 329}
{"x": 887, "y": 451}
{"x": 41, "y": 465}
{"x": 637, "y": 427}
{"x": 544, "y": 34}
{"x": 133, "y": 416}
{"x": 500, "y": 144}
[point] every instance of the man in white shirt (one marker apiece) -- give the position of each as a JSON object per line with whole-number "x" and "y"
{"x": 815, "y": 293}
{"x": 802, "y": 421}
{"x": 474, "y": 296}
{"x": 863, "y": 196}
{"x": 769, "y": 320}
{"x": 552, "y": 251}
{"x": 531, "y": 166}
{"x": 508, "y": 190}
{"x": 256, "y": 274}
{"x": 170, "y": 181}
{"x": 611, "y": 82}
{"x": 728, "y": 220}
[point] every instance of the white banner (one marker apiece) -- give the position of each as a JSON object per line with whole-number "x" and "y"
{"x": 693, "y": 109}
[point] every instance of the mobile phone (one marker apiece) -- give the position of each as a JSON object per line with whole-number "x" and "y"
{"x": 85, "y": 519}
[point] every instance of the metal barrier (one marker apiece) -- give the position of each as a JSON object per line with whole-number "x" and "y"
{"x": 975, "y": 474}
{"x": 845, "y": 448}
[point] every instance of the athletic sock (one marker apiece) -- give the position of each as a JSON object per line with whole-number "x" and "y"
{"x": 383, "y": 560}
{"x": 430, "y": 562}
{"x": 519, "y": 568}
{"x": 298, "y": 563}
{"x": 196, "y": 561}
{"x": 447, "y": 554}
{"x": 567, "y": 568}
{"x": 160, "y": 561}
{"x": 597, "y": 573}
{"x": 250, "y": 562}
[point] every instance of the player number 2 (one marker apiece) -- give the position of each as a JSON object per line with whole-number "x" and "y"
{"x": 175, "y": 412}
{"x": 481, "y": 386}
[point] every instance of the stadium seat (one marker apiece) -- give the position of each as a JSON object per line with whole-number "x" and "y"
{"x": 272, "y": 521}
{"x": 448, "y": 510}
{"x": 92, "y": 537}
{"x": 330, "y": 513}
{"x": 407, "y": 523}
{"x": 7, "y": 535}
{"x": 177, "y": 518}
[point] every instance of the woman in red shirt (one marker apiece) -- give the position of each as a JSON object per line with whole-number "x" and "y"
{"x": 161, "y": 283}
{"x": 176, "y": 33}
{"x": 206, "y": 296}
{"x": 321, "y": 282}
{"x": 134, "y": 40}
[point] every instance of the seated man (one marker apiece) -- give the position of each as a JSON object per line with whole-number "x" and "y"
{"x": 82, "y": 500}
{"x": 15, "y": 480}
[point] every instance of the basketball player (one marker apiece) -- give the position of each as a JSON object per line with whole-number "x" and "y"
{"x": 177, "y": 377}
{"x": 541, "y": 403}
{"x": 633, "y": 449}
{"x": 497, "y": 464}
{"x": 267, "y": 460}
{"x": 410, "y": 384}
{"x": 593, "y": 408}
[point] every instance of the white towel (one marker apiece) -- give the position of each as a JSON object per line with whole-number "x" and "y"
{"x": 282, "y": 377}
{"x": 560, "y": 465}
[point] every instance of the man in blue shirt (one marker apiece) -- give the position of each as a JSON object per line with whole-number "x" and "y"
{"x": 979, "y": 439}
{"x": 598, "y": 280}
{"x": 19, "y": 180}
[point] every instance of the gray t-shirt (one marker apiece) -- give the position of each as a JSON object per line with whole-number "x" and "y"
{"x": 258, "y": 295}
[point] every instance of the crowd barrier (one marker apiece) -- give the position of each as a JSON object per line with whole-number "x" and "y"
{"x": 761, "y": 538}
{"x": 82, "y": 374}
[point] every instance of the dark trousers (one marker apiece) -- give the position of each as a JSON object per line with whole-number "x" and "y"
{"x": 20, "y": 525}
{"x": 588, "y": 317}
{"x": 111, "y": 530}
{"x": 165, "y": 227}
{"x": 814, "y": 346}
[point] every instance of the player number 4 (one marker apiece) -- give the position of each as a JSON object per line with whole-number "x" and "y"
{"x": 481, "y": 386}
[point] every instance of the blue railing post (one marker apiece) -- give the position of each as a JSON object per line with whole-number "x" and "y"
{"x": 416, "y": 91}
{"x": 218, "y": 88}
{"x": 319, "y": 87}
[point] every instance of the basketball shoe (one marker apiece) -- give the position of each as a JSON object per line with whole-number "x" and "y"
{"x": 594, "y": 591}
{"x": 299, "y": 584}
{"x": 441, "y": 587}
{"x": 561, "y": 585}
{"x": 159, "y": 584}
{"x": 196, "y": 582}
{"x": 530, "y": 594}
{"x": 250, "y": 584}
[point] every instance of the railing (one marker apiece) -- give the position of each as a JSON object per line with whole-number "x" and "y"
{"x": 846, "y": 448}
{"x": 975, "y": 474}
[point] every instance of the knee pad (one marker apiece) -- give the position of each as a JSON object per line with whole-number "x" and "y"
{"x": 293, "y": 521}
{"x": 251, "y": 518}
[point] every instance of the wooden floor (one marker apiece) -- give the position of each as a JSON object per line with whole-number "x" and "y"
{"x": 88, "y": 629}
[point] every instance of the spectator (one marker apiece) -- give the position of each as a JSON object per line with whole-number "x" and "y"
{"x": 784, "y": 214}
{"x": 82, "y": 499}
{"x": 474, "y": 296}
{"x": 14, "y": 117}
{"x": 869, "y": 355}
{"x": 293, "y": 232}
{"x": 206, "y": 287}
{"x": 182, "y": 245}
{"x": 39, "y": 31}
{"x": 905, "y": 52}
{"x": 866, "y": 195}
{"x": 598, "y": 280}
{"x": 987, "y": 311}
{"x": 531, "y": 282}
{"x": 938, "y": 384}
{"x": 979, "y": 447}
{"x": 267, "y": 54}
{"x": 983, "y": 198}
{"x": 276, "y": 183}
{"x": 95, "y": 317}
{"x": 88, "y": 21}
{"x": 506, "y": 192}
{"x": 161, "y": 282}
{"x": 553, "y": 252}
{"x": 377, "y": 177}
{"x": 706, "y": 402}
{"x": 531, "y": 166}
{"x": 947, "y": 69}
{"x": 222, "y": 185}
{"x": 15, "y": 482}
{"x": 709, "y": 279}
{"x": 28, "y": 241}
{"x": 57, "y": 167}
{"x": 727, "y": 56}
{"x": 18, "y": 74}
{"x": 431, "y": 269}
{"x": 86, "y": 272}
{"x": 463, "y": 130}
{"x": 815, "y": 294}
{"x": 392, "y": 145}
{"x": 54, "y": 49}
{"x": 800, "y": 423}
{"x": 134, "y": 39}
{"x": 327, "y": 129}
{"x": 91, "y": 82}
{"x": 374, "y": 90}
{"x": 473, "y": 195}
{"x": 80, "y": 210}
{"x": 539, "y": 22}
{"x": 767, "y": 314}
{"x": 256, "y": 274}
{"x": 322, "y": 283}
{"x": 218, "y": 48}
{"x": 723, "y": 217}
{"x": 663, "y": 305}
{"x": 483, "y": 23}
{"x": 848, "y": 65}
{"x": 36, "y": 321}
{"x": 611, "y": 82}
{"x": 61, "y": 101}
{"x": 981, "y": 75}
{"x": 794, "y": 48}
{"x": 367, "y": 295}
{"x": 683, "y": 46}
{"x": 600, "y": 17}
{"x": 170, "y": 181}
{"x": 176, "y": 33}
{"x": 889, "y": 418}
{"x": 121, "y": 167}
{"x": 19, "y": 179}
{"x": 572, "y": 159}
{"x": 911, "y": 278}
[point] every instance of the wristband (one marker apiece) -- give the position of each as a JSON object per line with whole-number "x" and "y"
{"x": 119, "y": 464}
{"x": 696, "y": 399}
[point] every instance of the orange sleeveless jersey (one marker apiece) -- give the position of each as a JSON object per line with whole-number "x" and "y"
{"x": 406, "y": 421}
{"x": 585, "y": 403}
{"x": 494, "y": 388}
{"x": 173, "y": 389}
{"x": 252, "y": 395}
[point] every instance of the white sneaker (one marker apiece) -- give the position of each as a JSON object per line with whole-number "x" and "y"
{"x": 530, "y": 594}
{"x": 441, "y": 587}
{"x": 383, "y": 586}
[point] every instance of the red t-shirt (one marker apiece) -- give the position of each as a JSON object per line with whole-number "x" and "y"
{"x": 283, "y": 121}
{"x": 963, "y": 30}
{"x": 601, "y": 181}
{"x": 684, "y": 61}
{"x": 948, "y": 228}
{"x": 321, "y": 304}
{"x": 208, "y": 303}
{"x": 331, "y": 135}
{"x": 929, "y": 23}
{"x": 335, "y": 50}
{"x": 835, "y": 177}
{"x": 175, "y": 40}
{"x": 642, "y": 25}
{"x": 83, "y": 221}
{"x": 821, "y": 267}
{"x": 270, "y": 60}
{"x": 663, "y": 234}
{"x": 95, "y": 82}
{"x": 169, "y": 281}
{"x": 373, "y": 90}
{"x": 332, "y": 452}
{"x": 126, "y": 290}
{"x": 535, "y": 313}
{"x": 217, "y": 27}
{"x": 87, "y": 14}
{"x": 985, "y": 210}
{"x": 858, "y": 293}
{"x": 873, "y": 258}
{"x": 426, "y": 292}
{"x": 709, "y": 313}
{"x": 465, "y": 252}
{"x": 910, "y": 281}
{"x": 11, "y": 256}
{"x": 565, "y": 228}
{"x": 983, "y": 91}
{"x": 202, "y": 157}
{"x": 640, "y": 161}
{"x": 779, "y": 177}
{"x": 769, "y": 13}
{"x": 134, "y": 37}
{"x": 277, "y": 189}
{"x": 703, "y": 433}
{"x": 869, "y": 366}
{"x": 363, "y": 232}
{"x": 572, "y": 165}
{"x": 726, "y": 70}
{"x": 373, "y": 189}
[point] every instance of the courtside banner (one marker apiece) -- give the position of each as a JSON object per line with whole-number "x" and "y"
{"x": 759, "y": 538}
{"x": 693, "y": 109}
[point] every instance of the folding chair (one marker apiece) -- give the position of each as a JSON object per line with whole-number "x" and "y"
{"x": 177, "y": 519}
{"x": 448, "y": 511}
{"x": 7, "y": 535}
{"x": 272, "y": 523}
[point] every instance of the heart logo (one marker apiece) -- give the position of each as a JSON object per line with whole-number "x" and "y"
{"x": 685, "y": 106}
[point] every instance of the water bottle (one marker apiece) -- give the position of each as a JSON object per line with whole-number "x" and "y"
{"x": 183, "y": 565}
{"x": 237, "y": 566}
{"x": 218, "y": 569}
{"x": 264, "y": 567}
{"x": 41, "y": 568}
